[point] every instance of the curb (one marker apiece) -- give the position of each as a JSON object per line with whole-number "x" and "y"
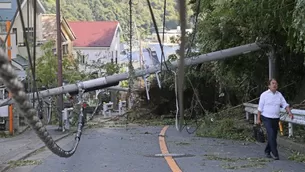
{"x": 291, "y": 145}
{"x": 24, "y": 130}
{"x": 35, "y": 150}
{"x": 286, "y": 144}
{"x": 6, "y": 167}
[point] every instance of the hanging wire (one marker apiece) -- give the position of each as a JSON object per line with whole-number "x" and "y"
{"x": 10, "y": 79}
{"x": 26, "y": 42}
{"x": 164, "y": 20}
{"x": 198, "y": 4}
{"x": 158, "y": 35}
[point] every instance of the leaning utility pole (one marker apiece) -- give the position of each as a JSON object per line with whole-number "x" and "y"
{"x": 112, "y": 80}
{"x": 59, "y": 55}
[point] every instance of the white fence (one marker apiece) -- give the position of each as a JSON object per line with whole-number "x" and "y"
{"x": 299, "y": 116}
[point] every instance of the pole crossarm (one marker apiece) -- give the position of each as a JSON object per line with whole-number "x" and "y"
{"x": 113, "y": 80}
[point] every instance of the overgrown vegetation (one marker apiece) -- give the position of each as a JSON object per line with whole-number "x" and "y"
{"x": 228, "y": 125}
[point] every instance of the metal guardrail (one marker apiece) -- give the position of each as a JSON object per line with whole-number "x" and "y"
{"x": 299, "y": 116}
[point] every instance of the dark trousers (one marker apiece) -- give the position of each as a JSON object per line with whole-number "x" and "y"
{"x": 272, "y": 126}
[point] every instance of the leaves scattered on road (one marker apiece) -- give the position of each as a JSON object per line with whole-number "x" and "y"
{"x": 24, "y": 163}
{"x": 238, "y": 163}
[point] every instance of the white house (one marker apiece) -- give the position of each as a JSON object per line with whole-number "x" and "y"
{"x": 17, "y": 31}
{"x": 17, "y": 41}
{"x": 96, "y": 42}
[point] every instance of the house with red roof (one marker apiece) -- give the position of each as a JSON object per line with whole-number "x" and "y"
{"x": 96, "y": 42}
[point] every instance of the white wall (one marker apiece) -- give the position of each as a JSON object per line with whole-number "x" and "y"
{"x": 5, "y": 5}
{"x": 99, "y": 55}
{"x": 17, "y": 24}
{"x": 93, "y": 55}
{"x": 115, "y": 47}
{"x": 13, "y": 44}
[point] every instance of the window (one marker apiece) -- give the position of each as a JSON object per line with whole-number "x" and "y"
{"x": 29, "y": 35}
{"x": 65, "y": 49}
{"x": 3, "y": 94}
{"x": 116, "y": 57}
{"x": 2, "y": 27}
{"x": 117, "y": 33}
{"x": 16, "y": 36}
{"x": 83, "y": 59}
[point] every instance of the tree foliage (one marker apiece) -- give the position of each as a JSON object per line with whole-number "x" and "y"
{"x": 229, "y": 23}
{"x": 224, "y": 24}
{"x": 97, "y": 10}
{"x": 47, "y": 67}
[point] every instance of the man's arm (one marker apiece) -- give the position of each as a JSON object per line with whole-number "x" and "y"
{"x": 286, "y": 106}
{"x": 259, "y": 117}
{"x": 260, "y": 108}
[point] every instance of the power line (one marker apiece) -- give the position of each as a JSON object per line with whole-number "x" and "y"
{"x": 26, "y": 41}
{"x": 158, "y": 36}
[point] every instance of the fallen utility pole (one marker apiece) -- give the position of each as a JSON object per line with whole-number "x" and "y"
{"x": 113, "y": 80}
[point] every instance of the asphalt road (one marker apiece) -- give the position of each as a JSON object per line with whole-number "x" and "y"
{"x": 135, "y": 150}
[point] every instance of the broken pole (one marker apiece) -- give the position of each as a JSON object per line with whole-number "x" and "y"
{"x": 113, "y": 80}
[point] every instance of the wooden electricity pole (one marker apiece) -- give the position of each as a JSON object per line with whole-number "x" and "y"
{"x": 59, "y": 55}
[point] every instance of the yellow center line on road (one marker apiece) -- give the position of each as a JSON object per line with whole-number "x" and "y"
{"x": 169, "y": 159}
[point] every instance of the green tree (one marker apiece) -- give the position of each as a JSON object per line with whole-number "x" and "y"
{"x": 98, "y": 10}
{"x": 225, "y": 24}
{"x": 47, "y": 67}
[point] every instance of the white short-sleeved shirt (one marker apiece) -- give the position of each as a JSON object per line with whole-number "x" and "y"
{"x": 270, "y": 104}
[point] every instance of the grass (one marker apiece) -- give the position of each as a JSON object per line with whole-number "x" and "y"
{"x": 230, "y": 163}
{"x": 5, "y": 134}
{"x": 297, "y": 156}
{"x": 24, "y": 163}
{"x": 230, "y": 125}
{"x": 183, "y": 143}
{"x": 154, "y": 122}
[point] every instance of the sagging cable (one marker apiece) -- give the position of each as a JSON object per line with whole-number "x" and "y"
{"x": 10, "y": 80}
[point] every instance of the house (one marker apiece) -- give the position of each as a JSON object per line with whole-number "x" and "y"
{"x": 17, "y": 31}
{"x": 9, "y": 12}
{"x": 49, "y": 32}
{"x": 8, "y": 9}
{"x": 96, "y": 42}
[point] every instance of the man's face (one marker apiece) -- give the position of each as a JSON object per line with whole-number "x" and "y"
{"x": 273, "y": 85}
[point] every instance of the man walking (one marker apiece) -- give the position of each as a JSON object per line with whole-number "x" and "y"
{"x": 269, "y": 106}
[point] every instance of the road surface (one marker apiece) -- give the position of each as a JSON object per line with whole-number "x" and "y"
{"x": 139, "y": 149}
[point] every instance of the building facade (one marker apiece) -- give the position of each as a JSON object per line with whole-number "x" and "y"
{"x": 96, "y": 43}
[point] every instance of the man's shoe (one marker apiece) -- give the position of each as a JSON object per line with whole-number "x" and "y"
{"x": 268, "y": 155}
{"x": 276, "y": 158}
